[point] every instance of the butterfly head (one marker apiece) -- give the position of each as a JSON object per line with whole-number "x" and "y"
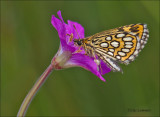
{"x": 78, "y": 42}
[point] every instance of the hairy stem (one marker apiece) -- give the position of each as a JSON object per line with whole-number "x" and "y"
{"x": 33, "y": 91}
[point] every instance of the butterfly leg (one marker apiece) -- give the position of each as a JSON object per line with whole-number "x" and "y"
{"x": 79, "y": 50}
{"x": 100, "y": 68}
{"x": 97, "y": 61}
{"x": 71, "y": 37}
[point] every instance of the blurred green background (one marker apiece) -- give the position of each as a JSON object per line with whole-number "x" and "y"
{"x": 29, "y": 41}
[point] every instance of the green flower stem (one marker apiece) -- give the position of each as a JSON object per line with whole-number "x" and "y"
{"x": 33, "y": 91}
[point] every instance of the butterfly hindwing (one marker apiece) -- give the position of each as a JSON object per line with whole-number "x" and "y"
{"x": 109, "y": 61}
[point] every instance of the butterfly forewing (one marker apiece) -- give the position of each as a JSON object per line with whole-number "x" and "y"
{"x": 121, "y": 44}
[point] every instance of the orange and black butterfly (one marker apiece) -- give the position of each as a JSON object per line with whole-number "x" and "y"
{"x": 121, "y": 44}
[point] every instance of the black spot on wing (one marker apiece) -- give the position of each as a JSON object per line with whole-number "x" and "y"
{"x": 137, "y": 34}
{"x": 94, "y": 40}
{"x": 125, "y": 33}
{"x": 121, "y": 28}
{"x": 134, "y": 29}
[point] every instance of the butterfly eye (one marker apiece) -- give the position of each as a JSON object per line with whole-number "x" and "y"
{"x": 79, "y": 43}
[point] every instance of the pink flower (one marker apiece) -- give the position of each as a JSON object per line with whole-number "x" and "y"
{"x": 67, "y": 56}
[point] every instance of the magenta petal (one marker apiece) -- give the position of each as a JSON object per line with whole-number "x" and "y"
{"x": 60, "y": 16}
{"x": 59, "y": 26}
{"x": 76, "y": 59}
{"x": 85, "y": 62}
{"x": 79, "y": 28}
{"x": 64, "y": 29}
{"x": 66, "y": 47}
{"x": 104, "y": 67}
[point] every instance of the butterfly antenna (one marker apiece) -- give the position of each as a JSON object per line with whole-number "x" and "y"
{"x": 76, "y": 30}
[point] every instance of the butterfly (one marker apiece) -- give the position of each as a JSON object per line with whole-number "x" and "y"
{"x": 121, "y": 44}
